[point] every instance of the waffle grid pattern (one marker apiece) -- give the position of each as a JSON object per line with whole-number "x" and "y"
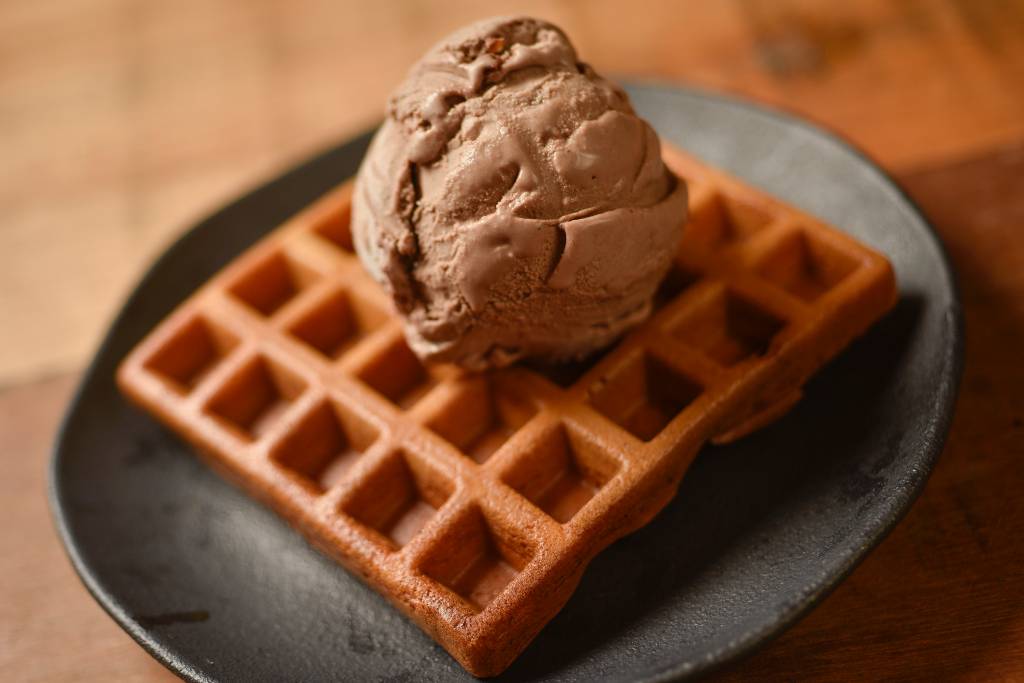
{"x": 475, "y": 502}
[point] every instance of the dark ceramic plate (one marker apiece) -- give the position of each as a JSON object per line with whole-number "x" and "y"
{"x": 218, "y": 589}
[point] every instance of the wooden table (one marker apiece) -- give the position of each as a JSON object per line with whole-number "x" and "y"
{"x": 121, "y": 120}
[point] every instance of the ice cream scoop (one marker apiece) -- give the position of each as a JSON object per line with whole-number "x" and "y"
{"x": 512, "y": 203}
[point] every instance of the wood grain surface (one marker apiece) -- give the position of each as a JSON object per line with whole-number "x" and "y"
{"x": 121, "y": 120}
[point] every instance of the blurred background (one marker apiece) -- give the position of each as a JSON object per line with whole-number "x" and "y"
{"x": 124, "y": 121}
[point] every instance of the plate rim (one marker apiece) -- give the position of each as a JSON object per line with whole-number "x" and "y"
{"x": 749, "y": 642}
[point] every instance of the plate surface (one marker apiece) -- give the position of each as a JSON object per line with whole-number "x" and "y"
{"x": 219, "y": 589}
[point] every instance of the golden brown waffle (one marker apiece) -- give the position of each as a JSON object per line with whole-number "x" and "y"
{"x": 474, "y": 503}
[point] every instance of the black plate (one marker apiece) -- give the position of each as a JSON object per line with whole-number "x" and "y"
{"x": 217, "y": 588}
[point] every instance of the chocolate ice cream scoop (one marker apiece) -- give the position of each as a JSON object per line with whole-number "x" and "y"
{"x": 513, "y": 203}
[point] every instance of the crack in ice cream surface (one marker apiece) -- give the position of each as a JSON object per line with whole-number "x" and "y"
{"x": 512, "y": 203}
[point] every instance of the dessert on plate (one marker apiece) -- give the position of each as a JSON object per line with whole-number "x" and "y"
{"x": 356, "y": 371}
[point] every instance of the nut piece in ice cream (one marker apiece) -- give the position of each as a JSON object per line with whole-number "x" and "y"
{"x": 513, "y": 203}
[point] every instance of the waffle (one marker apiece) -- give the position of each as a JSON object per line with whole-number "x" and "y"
{"x": 475, "y": 502}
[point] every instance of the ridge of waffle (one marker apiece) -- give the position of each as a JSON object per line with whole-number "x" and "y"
{"x": 475, "y": 502}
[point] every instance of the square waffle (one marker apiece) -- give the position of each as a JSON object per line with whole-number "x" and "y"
{"x": 475, "y": 502}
